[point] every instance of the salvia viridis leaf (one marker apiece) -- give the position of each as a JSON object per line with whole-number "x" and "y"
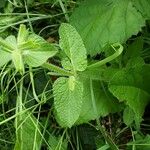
{"x": 27, "y": 48}
{"x": 5, "y": 57}
{"x": 71, "y": 43}
{"x": 67, "y": 100}
{"x": 36, "y": 50}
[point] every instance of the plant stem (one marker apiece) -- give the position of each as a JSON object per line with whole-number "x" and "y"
{"x": 57, "y": 69}
{"x": 110, "y": 58}
{"x": 31, "y": 19}
{"x": 64, "y": 10}
{"x": 33, "y": 87}
{"x": 19, "y": 109}
{"x": 28, "y": 17}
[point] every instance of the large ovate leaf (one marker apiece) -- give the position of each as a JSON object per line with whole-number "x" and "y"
{"x": 105, "y": 22}
{"x": 127, "y": 85}
{"x": 105, "y": 103}
{"x": 28, "y": 136}
{"x": 143, "y": 6}
{"x": 72, "y": 44}
{"x": 67, "y": 100}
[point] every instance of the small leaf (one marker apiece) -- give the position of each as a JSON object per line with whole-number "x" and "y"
{"x": 72, "y": 44}
{"x": 5, "y": 57}
{"x": 6, "y": 45}
{"x": 35, "y": 59}
{"x": 36, "y": 50}
{"x": 67, "y": 100}
{"x": 11, "y": 40}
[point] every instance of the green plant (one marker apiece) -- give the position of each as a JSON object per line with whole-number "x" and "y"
{"x": 67, "y": 77}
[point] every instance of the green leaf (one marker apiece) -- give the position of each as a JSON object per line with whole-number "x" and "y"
{"x": 105, "y": 22}
{"x": 12, "y": 42}
{"x": 5, "y": 57}
{"x": 28, "y": 49}
{"x": 136, "y": 62}
{"x": 104, "y": 101}
{"x": 127, "y": 85}
{"x": 143, "y": 6}
{"x": 6, "y": 45}
{"x": 128, "y": 116}
{"x": 36, "y": 50}
{"x": 72, "y": 44}
{"x": 67, "y": 100}
{"x": 28, "y": 134}
{"x": 134, "y": 49}
{"x": 66, "y": 64}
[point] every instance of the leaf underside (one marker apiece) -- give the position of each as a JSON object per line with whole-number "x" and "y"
{"x": 71, "y": 43}
{"x": 67, "y": 100}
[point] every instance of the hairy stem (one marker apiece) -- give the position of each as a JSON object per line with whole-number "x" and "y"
{"x": 57, "y": 69}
